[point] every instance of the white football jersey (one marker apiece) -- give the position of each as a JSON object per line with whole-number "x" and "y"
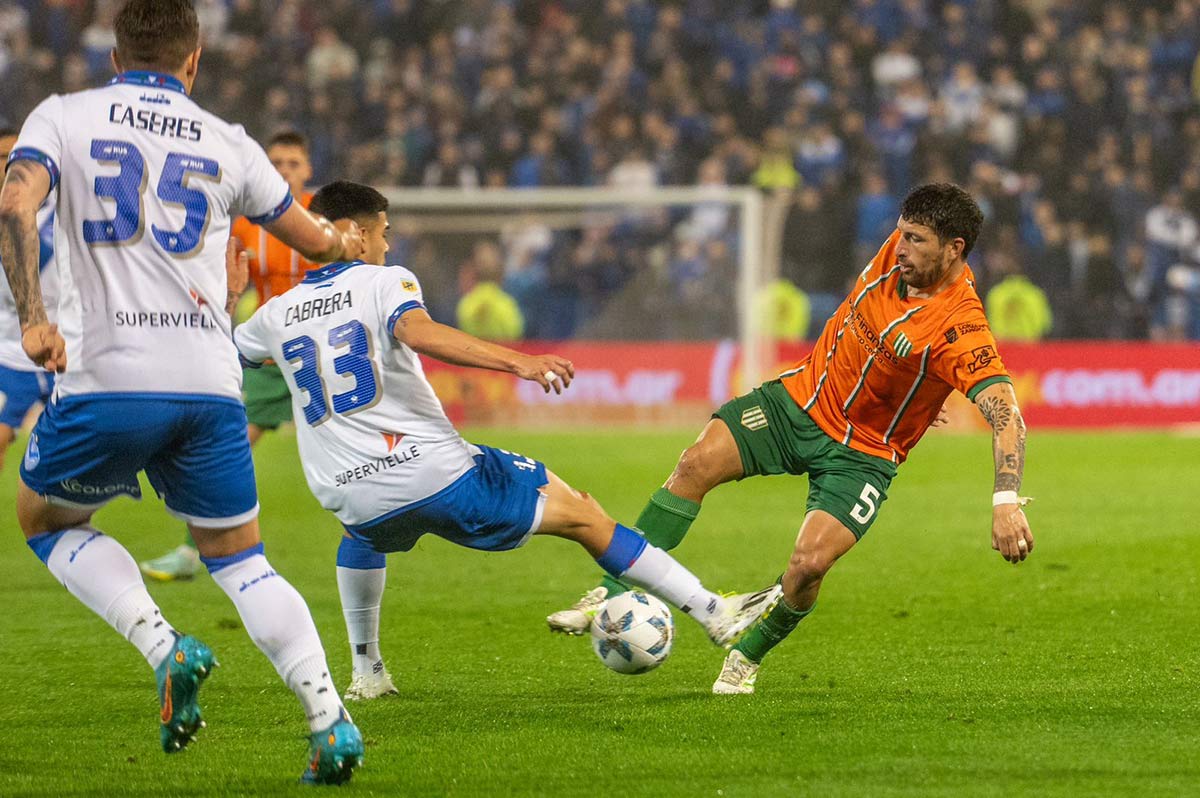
{"x": 373, "y": 436}
{"x": 147, "y": 184}
{"x": 12, "y": 356}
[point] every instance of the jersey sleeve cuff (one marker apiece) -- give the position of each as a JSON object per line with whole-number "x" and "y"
{"x": 31, "y": 154}
{"x": 275, "y": 212}
{"x": 412, "y": 304}
{"x": 979, "y": 386}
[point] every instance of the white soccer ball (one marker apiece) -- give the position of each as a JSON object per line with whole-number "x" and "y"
{"x": 632, "y": 632}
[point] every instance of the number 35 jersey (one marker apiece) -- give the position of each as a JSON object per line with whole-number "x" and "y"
{"x": 373, "y": 436}
{"x": 147, "y": 184}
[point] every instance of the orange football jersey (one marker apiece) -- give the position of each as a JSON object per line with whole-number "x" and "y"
{"x": 886, "y": 362}
{"x": 274, "y": 266}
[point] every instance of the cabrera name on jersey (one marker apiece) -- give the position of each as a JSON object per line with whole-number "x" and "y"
{"x": 147, "y": 184}
{"x": 372, "y": 434}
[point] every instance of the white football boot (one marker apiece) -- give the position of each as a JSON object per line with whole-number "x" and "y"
{"x": 737, "y": 675}
{"x": 738, "y": 612}
{"x": 366, "y": 686}
{"x": 577, "y": 619}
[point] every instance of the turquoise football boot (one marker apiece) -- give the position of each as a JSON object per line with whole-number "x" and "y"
{"x": 334, "y": 753}
{"x": 179, "y": 678}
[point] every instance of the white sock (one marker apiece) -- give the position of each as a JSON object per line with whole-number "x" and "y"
{"x": 662, "y": 575}
{"x": 98, "y": 571}
{"x": 279, "y": 623}
{"x": 361, "y": 590}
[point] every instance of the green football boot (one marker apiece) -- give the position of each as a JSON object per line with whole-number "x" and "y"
{"x": 179, "y": 678}
{"x": 334, "y": 753}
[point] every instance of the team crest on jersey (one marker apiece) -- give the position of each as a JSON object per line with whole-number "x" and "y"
{"x": 408, "y": 285}
{"x": 33, "y": 455}
{"x": 754, "y": 418}
{"x": 901, "y": 344}
{"x": 392, "y": 439}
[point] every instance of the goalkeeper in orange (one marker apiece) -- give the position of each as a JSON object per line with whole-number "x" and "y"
{"x": 911, "y": 331}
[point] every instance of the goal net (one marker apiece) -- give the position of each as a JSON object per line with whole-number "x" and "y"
{"x": 656, "y": 295}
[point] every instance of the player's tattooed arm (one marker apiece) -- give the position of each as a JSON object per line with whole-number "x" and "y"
{"x": 998, "y": 404}
{"x": 25, "y": 187}
{"x": 1011, "y": 535}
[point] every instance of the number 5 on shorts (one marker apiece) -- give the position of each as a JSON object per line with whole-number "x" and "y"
{"x": 864, "y": 510}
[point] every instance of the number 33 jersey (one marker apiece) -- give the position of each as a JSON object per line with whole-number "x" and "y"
{"x": 147, "y": 184}
{"x": 373, "y": 437}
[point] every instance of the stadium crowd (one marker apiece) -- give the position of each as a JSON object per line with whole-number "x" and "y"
{"x": 1076, "y": 123}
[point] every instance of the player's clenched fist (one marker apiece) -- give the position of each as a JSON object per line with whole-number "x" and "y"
{"x": 44, "y": 345}
{"x": 1010, "y": 533}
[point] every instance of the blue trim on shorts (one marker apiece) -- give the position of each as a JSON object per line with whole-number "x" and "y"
{"x": 411, "y": 304}
{"x": 156, "y": 397}
{"x": 44, "y": 543}
{"x": 357, "y": 554}
{"x": 274, "y": 213}
{"x": 214, "y": 564}
{"x": 622, "y": 552}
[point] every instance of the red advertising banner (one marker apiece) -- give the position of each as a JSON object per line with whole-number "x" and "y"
{"x": 1086, "y": 384}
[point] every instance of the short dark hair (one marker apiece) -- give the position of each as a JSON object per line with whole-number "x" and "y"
{"x": 342, "y": 199}
{"x": 6, "y": 131}
{"x": 159, "y": 34}
{"x": 289, "y": 138}
{"x": 946, "y": 209}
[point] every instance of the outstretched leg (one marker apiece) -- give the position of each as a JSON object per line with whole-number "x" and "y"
{"x": 822, "y": 540}
{"x": 626, "y": 555}
{"x": 666, "y": 518}
{"x": 712, "y": 460}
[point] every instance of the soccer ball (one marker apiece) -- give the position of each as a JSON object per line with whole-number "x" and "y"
{"x": 632, "y": 632}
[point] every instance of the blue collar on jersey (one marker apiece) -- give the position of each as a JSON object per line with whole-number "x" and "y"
{"x": 329, "y": 271}
{"x": 158, "y": 80}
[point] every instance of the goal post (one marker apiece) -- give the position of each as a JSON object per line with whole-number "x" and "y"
{"x": 433, "y": 225}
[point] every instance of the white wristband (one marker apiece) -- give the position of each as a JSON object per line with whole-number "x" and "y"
{"x": 1005, "y": 497}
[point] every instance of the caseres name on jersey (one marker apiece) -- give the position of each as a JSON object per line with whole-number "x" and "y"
{"x": 175, "y": 127}
{"x": 315, "y": 308}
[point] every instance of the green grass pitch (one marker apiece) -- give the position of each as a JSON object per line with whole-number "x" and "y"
{"x": 930, "y": 668}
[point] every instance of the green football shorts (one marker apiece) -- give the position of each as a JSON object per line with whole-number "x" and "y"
{"x": 268, "y": 400}
{"x": 775, "y": 436}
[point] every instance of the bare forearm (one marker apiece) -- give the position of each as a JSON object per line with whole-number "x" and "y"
{"x": 19, "y": 250}
{"x": 456, "y": 347}
{"x": 1008, "y": 439}
{"x": 312, "y": 236}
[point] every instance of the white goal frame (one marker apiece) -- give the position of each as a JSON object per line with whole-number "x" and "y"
{"x": 753, "y": 267}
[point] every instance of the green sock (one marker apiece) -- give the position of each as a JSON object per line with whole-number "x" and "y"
{"x": 664, "y": 521}
{"x": 769, "y": 630}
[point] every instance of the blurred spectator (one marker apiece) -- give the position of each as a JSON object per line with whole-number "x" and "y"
{"x": 485, "y": 310}
{"x": 878, "y": 210}
{"x": 785, "y": 311}
{"x": 1016, "y": 309}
